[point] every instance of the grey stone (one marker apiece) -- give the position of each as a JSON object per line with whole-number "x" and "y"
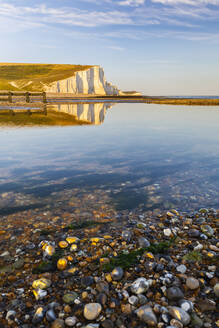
{"x": 10, "y": 315}
{"x": 174, "y": 293}
{"x": 179, "y": 314}
{"x": 176, "y": 323}
{"x": 117, "y": 274}
{"x": 107, "y": 324}
{"x": 50, "y": 315}
{"x": 186, "y": 305}
{"x": 70, "y": 321}
{"x": 143, "y": 242}
{"x": 194, "y": 233}
{"x": 146, "y": 314}
{"x": 140, "y": 286}
{"x": 102, "y": 298}
{"x": 181, "y": 268}
{"x": 127, "y": 235}
{"x": 87, "y": 281}
{"x": 133, "y": 300}
{"x": 142, "y": 299}
{"x": 216, "y": 289}
{"x": 207, "y": 230}
{"x": 192, "y": 283}
{"x": 103, "y": 287}
{"x": 196, "y": 322}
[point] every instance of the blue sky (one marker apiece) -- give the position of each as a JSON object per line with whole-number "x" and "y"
{"x": 159, "y": 47}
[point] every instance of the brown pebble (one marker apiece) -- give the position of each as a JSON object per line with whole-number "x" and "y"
{"x": 67, "y": 309}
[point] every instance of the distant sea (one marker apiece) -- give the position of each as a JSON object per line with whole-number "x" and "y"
{"x": 195, "y": 97}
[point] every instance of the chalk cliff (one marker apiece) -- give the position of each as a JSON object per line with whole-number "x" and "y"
{"x": 87, "y": 82}
{"x": 92, "y": 113}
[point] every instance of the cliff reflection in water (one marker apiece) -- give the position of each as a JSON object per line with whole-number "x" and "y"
{"x": 93, "y": 113}
{"x": 54, "y": 114}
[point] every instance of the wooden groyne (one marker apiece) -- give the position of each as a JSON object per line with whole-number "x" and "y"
{"x": 28, "y": 97}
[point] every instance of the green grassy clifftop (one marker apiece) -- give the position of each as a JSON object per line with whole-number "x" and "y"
{"x": 32, "y": 77}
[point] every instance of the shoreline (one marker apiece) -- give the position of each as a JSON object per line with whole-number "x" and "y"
{"x": 60, "y": 98}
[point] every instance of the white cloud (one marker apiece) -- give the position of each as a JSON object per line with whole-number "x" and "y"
{"x": 188, "y": 2}
{"x": 132, "y": 3}
{"x": 65, "y": 16}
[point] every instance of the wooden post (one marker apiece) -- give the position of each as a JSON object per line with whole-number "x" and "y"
{"x": 10, "y": 97}
{"x": 44, "y": 97}
{"x": 45, "y": 110}
{"x": 27, "y": 97}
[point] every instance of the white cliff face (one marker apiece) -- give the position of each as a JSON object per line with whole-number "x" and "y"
{"x": 92, "y": 113}
{"x": 87, "y": 82}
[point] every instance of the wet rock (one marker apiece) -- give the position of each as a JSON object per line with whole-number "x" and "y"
{"x": 10, "y": 315}
{"x": 140, "y": 286}
{"x": 146, "y": 314}
{"x": 87, "y": 281}
{"x": 216, "y": 289}
{"x": 192, "y": 283}
{"x": 174, "y": 293}
{"x": 179, "y": 314}
{"x": 39, "y": 293}
{"x": 50, "y": 315}
{"x": 102, "y": 298}
{"x": 42, "y": 283}
{"x": 117, "y": 273}
{"x": 186, "y": 305}
{"x": 194, "y": 233}
{"x": 196, "y": 322}
{"x": 142, "y": 299}
{"x": 181, "y": 268}
{"x": 92, "y": 311}
{"x": 206, "y": 305}
{"x": 133, "y": 300}
{"x": 70, "y": 321}
{"x": 18, "y": 264}
{"x": 38, "y": 315}
{"x": 107, "y": 324}
{"x": 207, "y": 230}
{"x": 127, "y": 235}
{"x": 143, "y": 242}
{"x": 167, "y": 232}
{"x": 48, "y": 251}
{"x": 70, "y": 298}
{"x": 176, "y": 323}
{"x": 5, "y": 254}
{"x": 103, "y": 287}
{"x": 58, "y": 323}
{"x": 62, "y": 264}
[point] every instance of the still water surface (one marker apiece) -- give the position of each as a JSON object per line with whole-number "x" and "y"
{"x": 138, "y": 155}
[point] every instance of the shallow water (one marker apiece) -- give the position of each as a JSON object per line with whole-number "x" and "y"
{"x": 134, "y": 155}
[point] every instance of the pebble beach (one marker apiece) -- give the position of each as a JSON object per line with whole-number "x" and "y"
{"x": 108, "y": 268}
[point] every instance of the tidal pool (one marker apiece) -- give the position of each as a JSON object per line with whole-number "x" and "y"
{"x": 131, "y": 156}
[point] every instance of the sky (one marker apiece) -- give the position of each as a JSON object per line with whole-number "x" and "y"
{"x": 157, "y": 47}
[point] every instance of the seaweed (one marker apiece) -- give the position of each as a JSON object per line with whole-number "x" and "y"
{"x": 127, "y": 260}
{"x": 82, "y": 225}
{"x": 194, "y": 256}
